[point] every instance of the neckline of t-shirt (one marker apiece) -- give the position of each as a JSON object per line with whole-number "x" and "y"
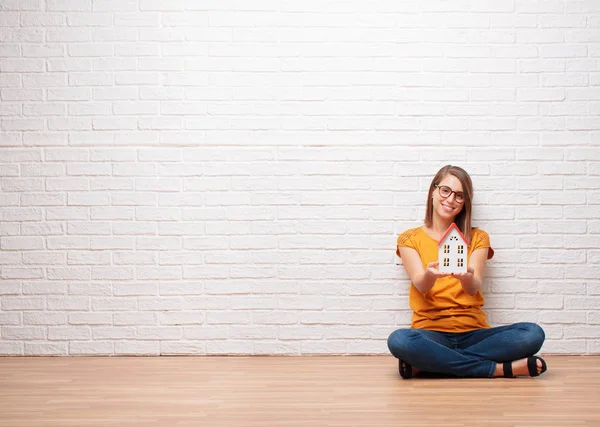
{"x": 427, "y": 234}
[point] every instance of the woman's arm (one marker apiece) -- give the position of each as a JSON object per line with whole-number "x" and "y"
{"x": 422, "y": 278}
{"x": 471, "y": 280}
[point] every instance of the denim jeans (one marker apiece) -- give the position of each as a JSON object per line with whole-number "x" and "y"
{"x": 466, "y": 354}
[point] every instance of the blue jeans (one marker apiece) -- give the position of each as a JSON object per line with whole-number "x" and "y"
{"x": 466, "y": 354}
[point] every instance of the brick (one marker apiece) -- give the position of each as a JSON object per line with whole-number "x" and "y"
{"x": 135, "y": 108}
{"x": 46, "y": 139}
{"x": 179, "y": 348}
{"x": 23, "y": 333}
{"x": 65, "y": 184}
{"x": 88, "y": 258}
{"x": 113, "y": 333}
{"x": 43, "y": 19}
{"x": 113, "y": 304}
{"x": 9, "y": 170}
{"x": 45, "y": 349}
{"x": 68, "y": 273}
{"x": 68, "y": 35}
{"x": 138, "y": 348}
{"x": 91, "y": 348}
{"x": 137, "y": 288}
{"x": 86, "y": 169}
{"x": 113, "y": 64}
{"x": 43, "y": 51}
{"x": 21, "y": 35}
{"x": 137, "y": 49}
{"x": 136, "y": 19}
{"x": 101, "y": 94}
{"x": 112, "y": 273}
{"x": 115, "y": 5}
{"x": 90, "y": 79}
{"x": 43, "y": 258}
{"x": 135, "y": 258}
{"x": 90, "y": 50}
{"x": 68, "y": 5}
{"x": 22, "y": 303}
{"x": 44, "y": 318}
{"x": 11, "y": 349}
{"x": 89, "y": 19}
{"x": 22, "y": 94}
{"x": 75, "y": 94}
{"x": 22, "y": 124}
{"x": 45, "y": 109}
{"x": 129, "y": 228}
{"x": 68, "y": 242}
{"x": 88, "y": 199}
{"x": 21, "y": 214}
{"x": 69, "y": 333}
{"x": 47, "y": 228}
{"x": 56, "y": 65}
{"x": 42, "y": 199}
{"x": 134, "y": 319}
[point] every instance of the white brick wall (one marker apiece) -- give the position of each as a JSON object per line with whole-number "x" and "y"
{"x": 183, "y": 177}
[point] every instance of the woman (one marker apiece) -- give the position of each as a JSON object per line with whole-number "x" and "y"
{"x": 449, "y": 332}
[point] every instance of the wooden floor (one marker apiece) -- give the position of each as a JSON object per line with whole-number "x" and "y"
{"x": 285, "y": 391}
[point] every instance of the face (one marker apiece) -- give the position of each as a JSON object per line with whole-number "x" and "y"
{"x": 449, "y": 207}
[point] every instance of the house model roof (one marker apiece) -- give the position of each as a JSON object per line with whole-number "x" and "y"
{"x": 455, "y": 227}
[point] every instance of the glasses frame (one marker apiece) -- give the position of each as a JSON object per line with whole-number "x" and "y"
{"x": 439, "y": 188}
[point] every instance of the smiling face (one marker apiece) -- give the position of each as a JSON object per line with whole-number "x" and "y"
{"x": 447, "y": 208}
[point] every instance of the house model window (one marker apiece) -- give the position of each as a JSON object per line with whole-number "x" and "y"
{"x": 451, "y": 251}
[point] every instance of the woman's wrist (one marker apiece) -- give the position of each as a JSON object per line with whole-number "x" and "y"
{"x": 470, "y": 284}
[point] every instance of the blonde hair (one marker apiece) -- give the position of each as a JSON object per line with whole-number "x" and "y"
{"x": 463, "y": 219}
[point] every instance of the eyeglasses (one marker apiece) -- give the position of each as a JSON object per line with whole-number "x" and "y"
{"x": 446, "y": 192}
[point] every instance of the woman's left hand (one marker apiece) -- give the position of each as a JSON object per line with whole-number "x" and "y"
{"x": 465, "y": 278}
{"x": 470, "y": 283}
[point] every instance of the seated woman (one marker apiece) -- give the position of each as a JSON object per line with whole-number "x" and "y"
{"x": 449, "y": 333}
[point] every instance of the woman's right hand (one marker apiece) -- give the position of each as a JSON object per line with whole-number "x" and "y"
{"x": 432, "y": 271}
{"x": 422, "y": 277}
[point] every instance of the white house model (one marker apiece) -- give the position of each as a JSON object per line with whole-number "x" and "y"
{"x": 452, "y": 251}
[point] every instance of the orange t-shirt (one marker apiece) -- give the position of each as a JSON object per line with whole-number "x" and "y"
{"x": 445, "y": 307}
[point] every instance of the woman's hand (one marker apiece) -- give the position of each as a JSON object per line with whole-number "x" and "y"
{"x": 468, "y": 281}
{"x": 465, "y": 278}
{"x": 423, "y": 278}
{"x": 432, "y": 271}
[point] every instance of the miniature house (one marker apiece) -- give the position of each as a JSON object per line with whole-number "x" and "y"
{"x": 452, "y": 251}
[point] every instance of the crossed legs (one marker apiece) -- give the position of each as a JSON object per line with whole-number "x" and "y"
{"x": 478, "y": 353}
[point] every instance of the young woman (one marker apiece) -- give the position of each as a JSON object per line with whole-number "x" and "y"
{"x": 449, "y": 332}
